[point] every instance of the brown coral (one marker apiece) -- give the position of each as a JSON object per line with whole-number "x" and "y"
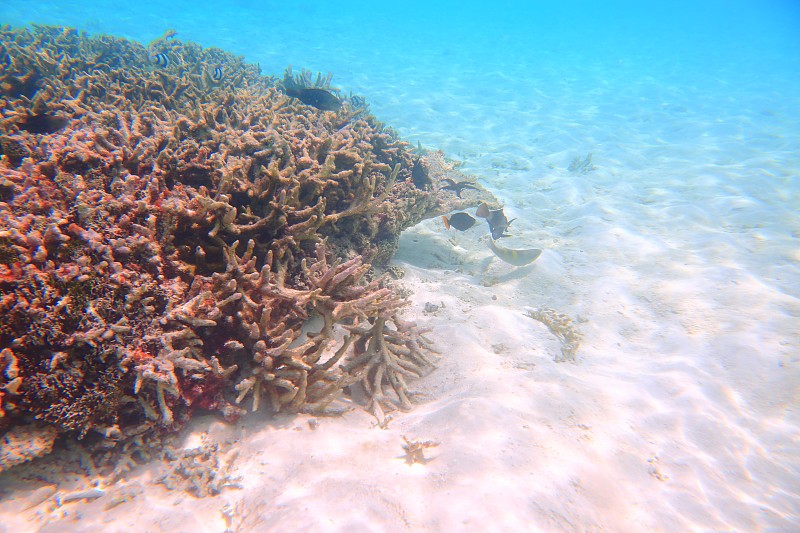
{"x": 127, "y": 192}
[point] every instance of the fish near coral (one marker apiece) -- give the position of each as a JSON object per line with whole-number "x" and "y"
{"x": 419, "y": 176}
{"x": 514, "y": 257}
{"x": 42, "y": 123}
{"x": 217, "y": 74}
{"x": 497, "y": 220}
{"x": 161, "y": 60}
{"x": 498, "y": 224}
{"x": 459, "y": 221}
{"x": 319, "y": 98}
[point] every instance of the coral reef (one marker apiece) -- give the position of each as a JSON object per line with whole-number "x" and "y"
{"x": 170, "y": 221}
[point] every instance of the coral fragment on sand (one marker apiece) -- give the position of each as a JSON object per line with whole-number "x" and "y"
{"x": 386, "y": 355}
{"x": 562, "y": 327}
{"x": 415, "y": 450}
{"x": 202, "y": 471}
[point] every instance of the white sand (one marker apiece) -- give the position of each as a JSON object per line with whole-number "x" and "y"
{"x": 679, "y": 259}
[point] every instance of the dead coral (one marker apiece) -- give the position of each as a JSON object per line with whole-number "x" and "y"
{"x": 415, "y": 450}
{"x": 581, "y": 166}
{"x": 25, "y": 443}
{"x": 562, "y": 327}
{"x": 201, "y": 471}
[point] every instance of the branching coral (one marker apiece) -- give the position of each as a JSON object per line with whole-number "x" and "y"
{"x": 388, "y": 355}
{"x": 126, "y": 191}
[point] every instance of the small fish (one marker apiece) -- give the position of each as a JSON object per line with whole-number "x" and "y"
{"x": 497, "y": 220}
{"x": 515, "y": 257}
{"x": 8, "y": 61}
{"x": 419, "y": 176}
{"x": 44, "y": 123}
{"x": 217, "y": 74}
{"x": 161, "y": 60}
{"x": 459, "y": 221}
{"x": 498, "y": 224}
{"x": 458, "y": 186}
{"x": 319, "y": 98}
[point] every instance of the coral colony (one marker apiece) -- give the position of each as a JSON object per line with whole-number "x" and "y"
{"x": 171, "y": 221}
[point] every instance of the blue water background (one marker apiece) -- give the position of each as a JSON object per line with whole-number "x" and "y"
{"x": 415, "y": 59}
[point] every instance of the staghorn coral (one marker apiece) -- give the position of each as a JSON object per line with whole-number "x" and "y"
{"x": 126, "y": 189}
{"x": 385, "y": 354}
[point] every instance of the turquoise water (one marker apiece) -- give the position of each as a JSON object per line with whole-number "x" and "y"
{"x": 413, "y": 59}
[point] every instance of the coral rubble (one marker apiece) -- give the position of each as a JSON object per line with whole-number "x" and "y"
{"x": 415, "y": 450}
{"x": 562, "y": 327}
{"x": 24, "y": 443}
{"x": 169, "y": 226}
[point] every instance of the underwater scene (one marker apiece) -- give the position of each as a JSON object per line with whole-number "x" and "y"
{"x": 399, "y": 266}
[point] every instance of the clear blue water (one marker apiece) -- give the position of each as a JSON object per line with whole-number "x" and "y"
{"x": 486, "y": 54}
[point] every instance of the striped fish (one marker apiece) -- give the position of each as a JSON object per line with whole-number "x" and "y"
{"x": 217, "y": 74}
{"x": 7, "y": 60}
{"x": 515, "y": 257}
{"x": 161, "y": 60}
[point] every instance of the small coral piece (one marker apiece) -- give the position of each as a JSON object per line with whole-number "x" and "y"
{"x": 202, "y": 471}
{"x": 581, "y": 166}
{"x": 25, "y": 443}
{"x": 415, "y": 450}
{"x": 562, "y": 327}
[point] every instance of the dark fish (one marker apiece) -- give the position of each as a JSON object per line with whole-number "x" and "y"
{"x": 217, "y": 74}
{"x": 42, "y": 123}
{"x": 458, "y": 186}
{"x": 459, "y": 221}
{"x": 319, "y": 98}
{"x": 497, "y": 220}
{"x": 7, "y": 60}
{"x": 419, "y": 176}
{"x": 161, "y": 60}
